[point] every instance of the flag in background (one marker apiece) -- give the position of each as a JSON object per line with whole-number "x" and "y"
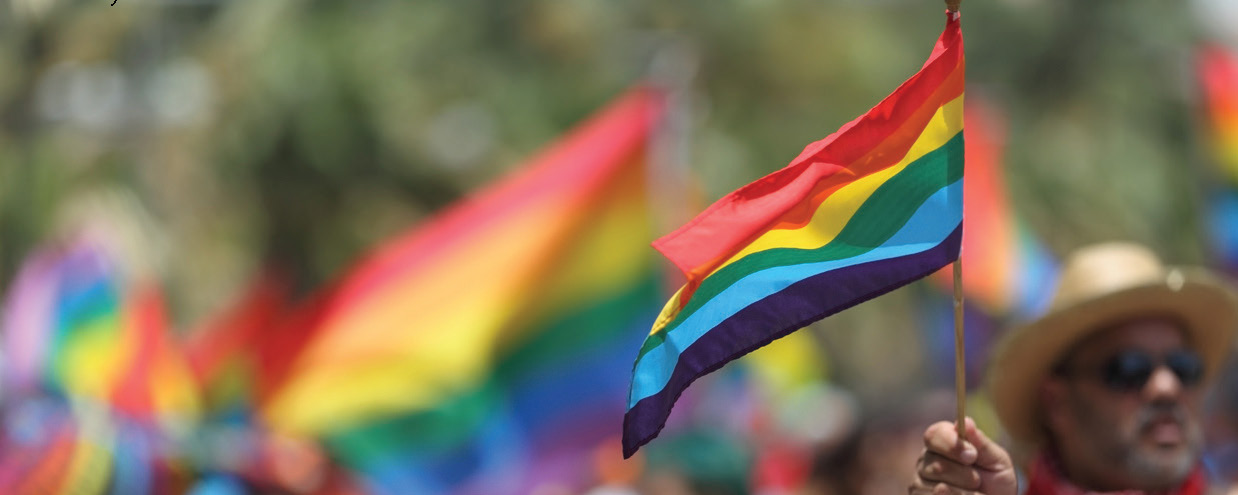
{"x": 236, "y": 356}
{"x": 1218, "y": 73}
{"x": 73, "y": 326}
{"x": 484, "y": 348}
{"x": 92, "y": 351}
{"x": 1007, "y": 271}
{"x": 1217, "y": 68}
{"x": 868, "y": 209}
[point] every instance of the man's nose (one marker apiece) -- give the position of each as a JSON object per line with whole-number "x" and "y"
{"x": 1163, "y": 384}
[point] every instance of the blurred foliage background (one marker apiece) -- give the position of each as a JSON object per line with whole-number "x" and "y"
{"x": 298, "y": 133}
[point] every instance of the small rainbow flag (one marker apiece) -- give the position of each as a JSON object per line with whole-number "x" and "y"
{"x": 73, "y": 326}
{"x": 1218, "y": 71}
{"x": 86, "y": 346}
{"x": 1217, "y": 66}
{"x": 862, "y": 212}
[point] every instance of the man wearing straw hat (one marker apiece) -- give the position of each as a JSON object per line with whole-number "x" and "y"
{"x": 1102, "y": 394}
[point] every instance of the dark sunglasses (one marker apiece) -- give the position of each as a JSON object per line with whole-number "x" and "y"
{"x": 1129, "y": 371}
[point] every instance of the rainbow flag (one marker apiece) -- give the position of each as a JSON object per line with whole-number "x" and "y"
{"x": 72, "y": 325}
{"x": 862, "y": 212}
{"x": 1217, "y": 67}
{"x": 477, "y": 351}
{"x": 77, "y": 332}
{"x": 1218, "y": 72}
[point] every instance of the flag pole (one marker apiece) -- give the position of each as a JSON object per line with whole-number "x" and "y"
{"x": 960, "y": 370}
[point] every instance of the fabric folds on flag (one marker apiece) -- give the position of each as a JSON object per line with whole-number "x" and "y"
{"x": 870, "y": 208}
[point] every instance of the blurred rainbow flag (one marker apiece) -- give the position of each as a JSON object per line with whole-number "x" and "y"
{"x": 1006, "y": 270}
{"x": 236, "y": 355}
{"x": 1218, "y": 72}
{"x": 72, "y": 326}
{"x": 484, "y": 349}
{"x": 1218, "y": 76}
{"x": 76, "y": 334}
{"x": 1008, "y": 274}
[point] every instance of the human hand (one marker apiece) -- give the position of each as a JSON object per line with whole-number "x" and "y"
{"x": 976, "y": 465}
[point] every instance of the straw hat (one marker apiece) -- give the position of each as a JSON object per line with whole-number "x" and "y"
{"x": 1102, "y": 285}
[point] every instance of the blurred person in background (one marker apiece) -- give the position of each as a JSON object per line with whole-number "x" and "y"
{"x": 698, "y": 462}
{"x": 1103, "y": 393}
{"x": 893, "y": 437}
{"x": 835, "y": 467}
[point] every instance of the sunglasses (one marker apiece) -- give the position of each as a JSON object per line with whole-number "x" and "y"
{"x": 1129, "y": 371}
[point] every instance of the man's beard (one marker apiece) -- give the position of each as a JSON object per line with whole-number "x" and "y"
{"x": 1156, "y": 465}
{"x": 1148, "y": 465}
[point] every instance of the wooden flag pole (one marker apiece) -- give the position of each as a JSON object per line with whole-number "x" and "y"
{"x": 960, "y": 371}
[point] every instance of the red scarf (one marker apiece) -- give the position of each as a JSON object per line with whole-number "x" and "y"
{"x": 1046, "y": 479}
